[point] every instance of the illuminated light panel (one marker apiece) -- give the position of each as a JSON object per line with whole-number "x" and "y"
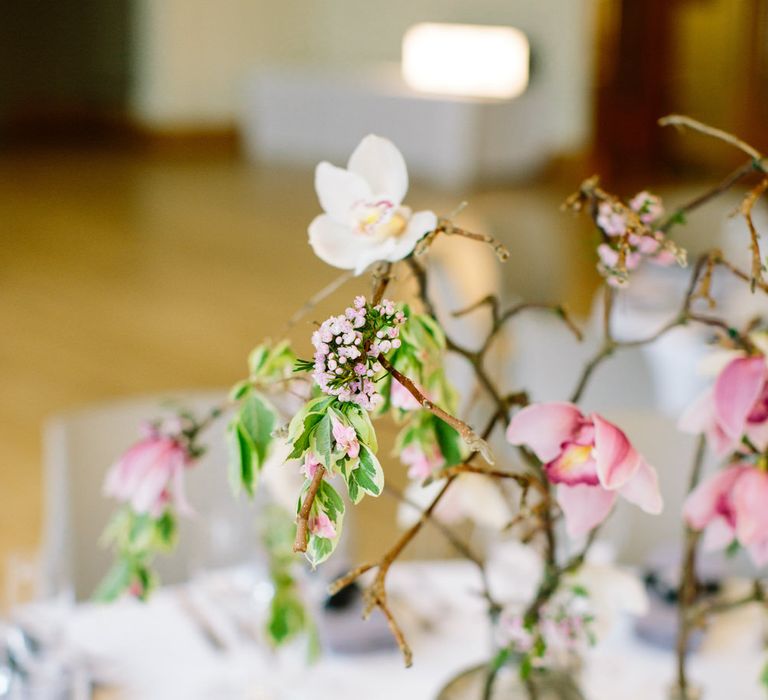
{"x": 466, "y": 60}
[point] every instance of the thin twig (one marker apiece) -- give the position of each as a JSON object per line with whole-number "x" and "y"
{"x": 473, "y": 440}
{"x": 687, "y": 591}
{"x": 724, "y": 185}
{"x": 447, "y": 227}
{"x": 382, "y": 275}
{"x": 315, "y": 299}
{"x": 376, "y": 594}
{"x": 746, "y": 211}
{"x": 681, "y": 121}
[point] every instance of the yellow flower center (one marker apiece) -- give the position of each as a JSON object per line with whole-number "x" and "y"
{"x": 380, "y": 220}
{"x": 575, "y": 456}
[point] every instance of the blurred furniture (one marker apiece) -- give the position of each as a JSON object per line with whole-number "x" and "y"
{"x": 80, "y": 446}
{"x": 304, "y": 115}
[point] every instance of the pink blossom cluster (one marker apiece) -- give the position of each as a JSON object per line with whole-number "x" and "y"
{"x": 150, "y": 475}
{"x": 347, "y": 348}
{"x": 562, "y": 630}
{"x": 612, "y": 219}
{"x": 421, "y": 462}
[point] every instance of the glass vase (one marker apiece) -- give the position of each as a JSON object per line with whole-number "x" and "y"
{"x": 543, "y": 684}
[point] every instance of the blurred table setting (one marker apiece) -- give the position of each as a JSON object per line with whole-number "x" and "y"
{"x": 204, "y": 639}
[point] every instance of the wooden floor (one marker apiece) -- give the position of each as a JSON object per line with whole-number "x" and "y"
{"x": 128, "y": 273}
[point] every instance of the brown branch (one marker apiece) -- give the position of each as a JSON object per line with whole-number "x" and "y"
{"x": 382, "y": 275}
{"x": 315, "y": 299}
{"x": 723, "y": 186}
{"x": 446, "y": 227}
{"x": 473, "y": 440}
{"x": 688, "y": 585}
{"x": 302, "y": 518}
{"x": 681, "y": 121}
{"x": 739, "y": 273}
{"x": 461, "y": 547}
{"x": 499, "y": 317}
{"x": 376, "y": 594}
{"x": 525, "y": 481}
{"x": 746, "y": 211}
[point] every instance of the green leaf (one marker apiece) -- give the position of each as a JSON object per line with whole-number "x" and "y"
{"x": 115, "y": 583}
{"x": 241, "y": 472}
{"x": 361, "y": 422}
{"x": 319, "y": 549}
{"x": 764, "y": 676}
{"x": 239, "y": 390}
{"x": 432, "y": 327}
{"x": 257, "y": 359}
{"x": 303, "y": 366}
{"x": 257, "y": 421}
{"x": 165, "y": 530}
{"x": 322, "y": 440}
{"x": 369, "y": 474}
{"x": 330, "y": 501}
{"x": 449, "y": 442}
{"x": 287, "y": 618}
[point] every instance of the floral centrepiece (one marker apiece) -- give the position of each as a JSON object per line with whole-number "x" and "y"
{"x": 590, "y": 460}
{"x": 318, "y": 450}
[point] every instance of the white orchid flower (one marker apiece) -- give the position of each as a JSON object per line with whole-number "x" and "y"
{"x": 364, "y": 219}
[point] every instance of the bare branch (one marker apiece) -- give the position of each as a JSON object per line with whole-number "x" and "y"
{"x": 681, "y": 120}
{"x": 473, "y": 440}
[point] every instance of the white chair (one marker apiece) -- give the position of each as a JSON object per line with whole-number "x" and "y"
{"x": 79, "y": 448}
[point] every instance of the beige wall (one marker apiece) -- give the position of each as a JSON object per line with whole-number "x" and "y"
{"x": 192, "y": 55}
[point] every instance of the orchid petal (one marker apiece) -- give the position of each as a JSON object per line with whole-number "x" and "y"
{"x": 718, "y": 535}
{"x": 584, "y": 507}
{"x": 419, "y": 225}
{"x": 749, "y": 498}
{"x": 573, "y": 466}
{"x": 180, "y": 501}
{"x": 378, "y": 161}
{"x": 339, "y": 190}
{"x": 544, "y": 427}
{"x": 758, "y": 552}
{"x": 643, "y": 489}
{"x": 758, "y": 435}
{"x": 337, "y": 244}
{"x": 736, "y": 391}
{"x": 617, "y": 461}
{"x": 701, "y": 506}
{"x": 699, "y": 417}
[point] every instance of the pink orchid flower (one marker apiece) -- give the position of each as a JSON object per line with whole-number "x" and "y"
{"x": 322, "y": 526}
{"x": 346, "y": 438}
{"x": 589, "y": 459}
{"x": 402, "y": 398}
{"x": 420, "y": 464}
{"x": 150, "y": 475}
{"x": 731, "y": 506}
{"x": 736, "y": 406}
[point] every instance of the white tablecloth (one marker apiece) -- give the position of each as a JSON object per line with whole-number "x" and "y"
{"x": 156, "y": 651}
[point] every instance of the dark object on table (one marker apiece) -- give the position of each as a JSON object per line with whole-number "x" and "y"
{"x": 343, "y": 630}
{"x": 661, "y": 578}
